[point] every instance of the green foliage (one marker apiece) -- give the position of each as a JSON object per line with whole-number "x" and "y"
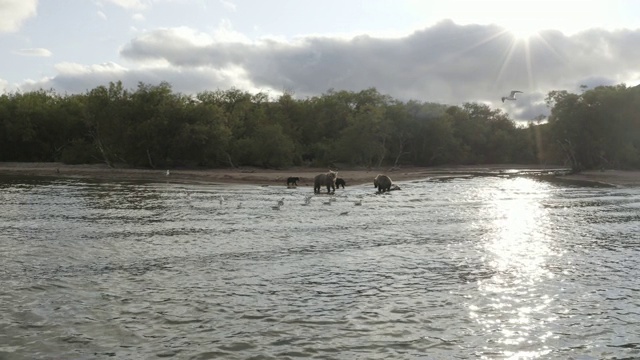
{"x": 152, "y": 126}
{"x": 599, "y": 128}
{"x": 267, "y": 147}
{"x": 79, "y": 151}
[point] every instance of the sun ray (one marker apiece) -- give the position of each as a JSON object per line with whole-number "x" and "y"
{"x": 506, "y": 58}
{"x": 544, "y": 41}
{"x": 478, "y": 44}
{"x": 459, "y": 53}
{"x": 527, "y": 55}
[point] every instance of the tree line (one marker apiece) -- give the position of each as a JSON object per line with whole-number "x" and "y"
{"x": 155, "y": 127}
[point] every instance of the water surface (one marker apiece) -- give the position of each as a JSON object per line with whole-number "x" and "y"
{"x": 485, "y": 268}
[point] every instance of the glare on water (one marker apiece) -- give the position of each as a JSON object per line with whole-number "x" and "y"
{"x": 516, "y": 240}
{"x": 508, "y": 268}
{"x": 518, "y": 249}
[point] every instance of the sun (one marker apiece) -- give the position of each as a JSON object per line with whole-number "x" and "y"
{"x": 522, "y": 31}
{"x": 521, "y": 27}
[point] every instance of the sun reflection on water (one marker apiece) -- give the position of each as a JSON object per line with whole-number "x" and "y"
{"x": 515, "y": 241}
{"x": 514, "y": 305}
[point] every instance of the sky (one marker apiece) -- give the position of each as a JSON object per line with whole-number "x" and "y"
{"x": 449, "y": 52}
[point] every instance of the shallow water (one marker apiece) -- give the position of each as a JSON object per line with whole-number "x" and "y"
{"x": 485, "y": 267}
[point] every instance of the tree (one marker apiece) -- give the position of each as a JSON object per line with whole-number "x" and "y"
{"x": 597, "y": 128}
{"x": 268, "y": 147}
{"x": 104, "y": 116}
{"x": 153, "y": 126}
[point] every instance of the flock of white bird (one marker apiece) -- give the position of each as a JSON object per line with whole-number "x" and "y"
{"x": 280, "y": 203}
{"x": 307, "y": 201}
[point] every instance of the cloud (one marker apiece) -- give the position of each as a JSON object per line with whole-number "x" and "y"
{"x": 137, "y": 4}
{"x": 175, "y": 40}
{"x": 445, "y": 63}
{"x": 228, "y": 5}
{"x": 78, "y": 78}
{"x": 37, "y": 52}
{"x": 78, "y": 69}
{"x": 130, "y": 4}
{"x": 14, "y": 12}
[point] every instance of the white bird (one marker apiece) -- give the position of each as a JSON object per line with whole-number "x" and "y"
{"x": 344, "y": 213}
{"x": 512, "y": 95}
{"x": 276, "y": 207}
{"x": 221, "y": 200}
{"x": 168, "y": 172}
{"x": 358, "y": 203}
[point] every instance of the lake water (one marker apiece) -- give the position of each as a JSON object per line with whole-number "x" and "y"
{"x": 467, "y": 268}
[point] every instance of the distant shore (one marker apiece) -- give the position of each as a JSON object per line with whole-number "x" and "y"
{"x": 257, "y": 176}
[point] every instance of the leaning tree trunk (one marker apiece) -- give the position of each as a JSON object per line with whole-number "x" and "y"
{"x": 383, "y": 152}
{"x": 230, "y": 161}
{"x": 103, "y": 152}
{"x": 570, "y": 152}
{"x": 150, "y": 160}
{"x": 400, "y": 151}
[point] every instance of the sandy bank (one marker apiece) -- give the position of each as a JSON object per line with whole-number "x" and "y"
{"x": 254, "y": 176}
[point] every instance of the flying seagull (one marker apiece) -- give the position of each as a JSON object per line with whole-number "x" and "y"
{"x": 511, "y": 96}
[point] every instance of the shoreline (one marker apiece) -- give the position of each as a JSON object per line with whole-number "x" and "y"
{"x": 268, "y": 177}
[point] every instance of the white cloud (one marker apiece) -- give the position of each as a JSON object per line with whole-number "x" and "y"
{"x": 137, "y": 4}
{"x": 445, "y": 63}
{"x": 68, "y": 68}
{"x": 4, "y": 86}
{"x": 177, "y": 40}
{"x": 77, "y": 78}
{"x": 228, "y": 5}
{"x": 130, "y": 4}
{"x": 37, "y": 52}
{"x": 14, "y": 12}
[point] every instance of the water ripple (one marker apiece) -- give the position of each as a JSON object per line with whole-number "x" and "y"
{"x": 507, "y": 268}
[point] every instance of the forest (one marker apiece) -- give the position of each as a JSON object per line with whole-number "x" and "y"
{"x": 154, "y": 127}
